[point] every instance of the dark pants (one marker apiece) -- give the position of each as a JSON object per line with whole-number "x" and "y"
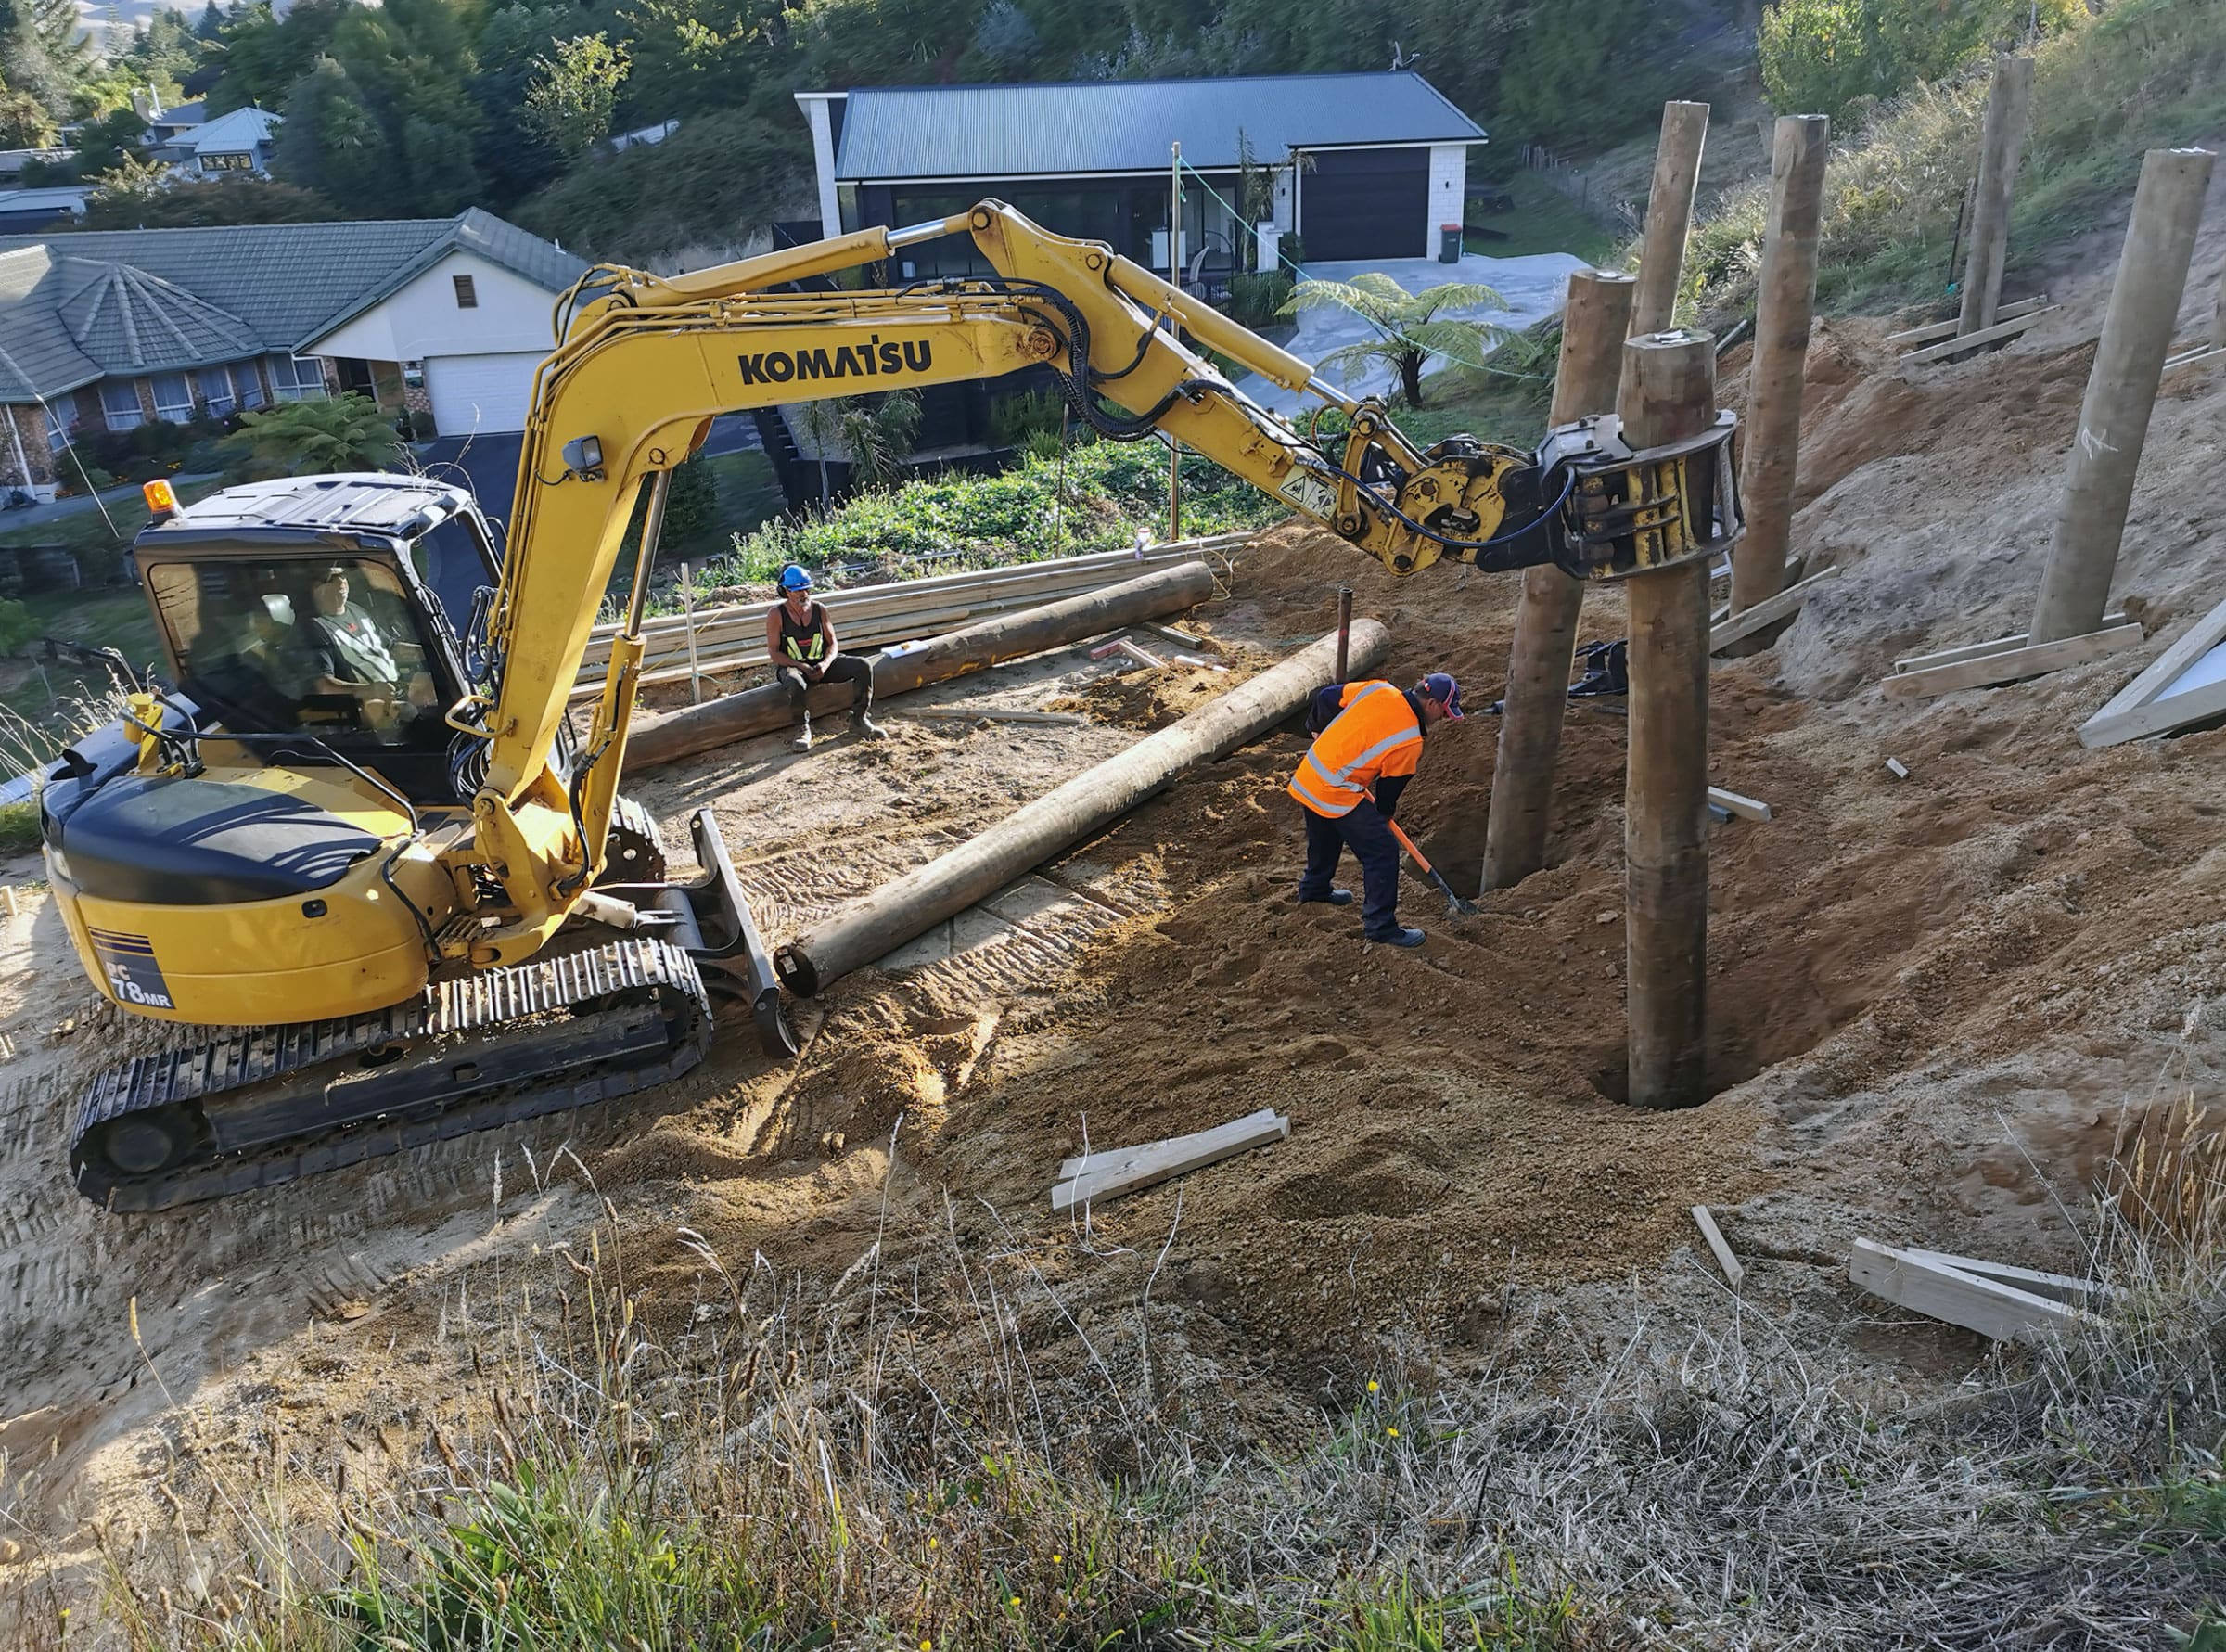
{"x": 1363, "y": 831}
{"x": 846, "y": 668}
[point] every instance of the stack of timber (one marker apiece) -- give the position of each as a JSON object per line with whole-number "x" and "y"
{"x": 731, "y": 637}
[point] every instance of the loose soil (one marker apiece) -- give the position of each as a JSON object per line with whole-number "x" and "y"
{"x": 1933, "y": 1003}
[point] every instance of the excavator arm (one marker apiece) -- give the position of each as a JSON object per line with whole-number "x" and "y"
{"x": 646, "y": 362}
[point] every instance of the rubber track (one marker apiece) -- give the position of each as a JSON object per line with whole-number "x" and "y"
{"x": 637, "y": 968}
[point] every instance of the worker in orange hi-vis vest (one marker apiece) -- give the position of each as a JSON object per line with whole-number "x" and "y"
{"x": 1367, "y": 742}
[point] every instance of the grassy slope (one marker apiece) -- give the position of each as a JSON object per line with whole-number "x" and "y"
{"x": 2145, "y": 74}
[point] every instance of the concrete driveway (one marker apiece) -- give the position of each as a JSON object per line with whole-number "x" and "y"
{"x": 1532, "y": 287}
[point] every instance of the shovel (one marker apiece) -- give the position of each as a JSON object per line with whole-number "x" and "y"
{"x": 1455, "y": 905}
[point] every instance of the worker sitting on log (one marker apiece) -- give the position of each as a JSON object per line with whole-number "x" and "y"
{"x": 1367, "y": 745}
{"x": 801, "y": 638}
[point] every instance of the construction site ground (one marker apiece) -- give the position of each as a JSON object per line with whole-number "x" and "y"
{"x": 1935, "y": 1004}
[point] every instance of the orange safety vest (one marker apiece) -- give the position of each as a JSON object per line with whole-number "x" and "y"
{"x": 1375, "y": 734}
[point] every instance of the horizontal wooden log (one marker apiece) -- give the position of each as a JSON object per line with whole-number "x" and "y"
{"x": 876, "y": 925}
{"x": 759, "y": 711}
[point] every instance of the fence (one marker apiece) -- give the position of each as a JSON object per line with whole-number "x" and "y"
{"x": 1576, "y": 184}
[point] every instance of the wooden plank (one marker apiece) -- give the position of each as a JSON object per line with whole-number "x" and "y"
{"x": 1724, "y": 1259}
{"x": 1731, "y": 803}
{"x": 2134, "y": 710}
{"x": 2000, "y": 1312}
{"x": 1986, "y": 335}
{"x": 2015, "y": 664}
{"x": 2038, "y": 1281}
{"x": 1768, "y": 611}
{"x": 1163, "y": 1159}
{"x": 2001, "y": 645}
{"x": 1108, "y": 1156}
{"x": 1946, "y": 330}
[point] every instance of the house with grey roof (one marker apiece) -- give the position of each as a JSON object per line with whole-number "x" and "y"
{"x": 233, "y": 146}
{"x": 1363, "y": 165}
{"x": 111, "y": 329}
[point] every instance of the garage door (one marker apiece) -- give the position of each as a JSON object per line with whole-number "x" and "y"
{"x": 1364, "y": 203}
{"x": 481, "y": 394}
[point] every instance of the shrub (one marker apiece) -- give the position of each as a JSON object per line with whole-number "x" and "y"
{"x": 2145, "y": 74}
{"x": 1014, "y": 420}
{"x": 346, "y": 432}
{"x": 1257, "y": 300}
{"x": 718, "y": 177}
{"x": 1088, "y": 498}
{"x": 1830, "y": 55}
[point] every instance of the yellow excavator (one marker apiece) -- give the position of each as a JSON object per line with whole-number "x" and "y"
{"x": 362, "y": 848}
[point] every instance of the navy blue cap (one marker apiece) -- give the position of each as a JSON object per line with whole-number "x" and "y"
{"x": 1441, "y": 686}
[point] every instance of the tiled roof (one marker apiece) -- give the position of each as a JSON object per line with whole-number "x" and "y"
{"x": 230, "y": 291}
{"x": 235, "y": 133}
{"x": 1114, "y": 126}
{"x": 37, "y": 355}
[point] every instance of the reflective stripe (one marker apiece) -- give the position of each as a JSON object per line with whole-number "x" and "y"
{"x": 1374, "y": 751}
{"x": 1298, "y": 790}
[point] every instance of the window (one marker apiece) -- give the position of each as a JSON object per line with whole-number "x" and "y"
{"x": 247, "y": 385}
{"x": 57, "y": 438}
{"x": 213, "y": 385}
{"x": 468, "y": 295}
{"x": 323, "y": 646}
{"x": 228, "y": 164}
{"x": 174, "y": 398}
{"x": 119, "y": 404}
{"x": 297, "y": 377}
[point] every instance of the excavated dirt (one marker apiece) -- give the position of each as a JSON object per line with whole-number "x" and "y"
{"x": 1933, "y": 1003}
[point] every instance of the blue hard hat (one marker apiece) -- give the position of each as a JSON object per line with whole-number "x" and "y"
{"x": 795, "y": 579}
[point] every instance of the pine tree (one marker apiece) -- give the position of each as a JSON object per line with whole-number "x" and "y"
{"x": 212, "y": 23}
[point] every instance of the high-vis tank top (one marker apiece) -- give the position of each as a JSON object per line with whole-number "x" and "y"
{"x": 1375, "y": 734}
{"x": 806, "y": 642}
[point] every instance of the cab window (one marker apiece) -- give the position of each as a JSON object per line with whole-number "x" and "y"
{"x": 326, "y": 646}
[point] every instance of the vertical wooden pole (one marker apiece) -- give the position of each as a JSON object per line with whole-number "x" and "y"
{"x": 687, "y": 611}
{"x": 1344, "y": 631}
{"x": 2121, "y": 392}
{"x": 1174, "y": 489}
{"x": 1669, "y": 393}
{"x": 1783, "y": 309}
{"x": 2000, "y": 140}
{"x": 1669, "y": 215}
{"x": 1596, "y": 319}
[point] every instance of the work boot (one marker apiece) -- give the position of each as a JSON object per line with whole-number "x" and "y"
{"x": 865, "y": 725}
{"x": 1335, "y": 897}
{"x": 1397, "y": 938}
{"x": 803, "y": 739}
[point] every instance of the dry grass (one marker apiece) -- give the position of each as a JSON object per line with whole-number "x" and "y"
{"x": 941, "y": 1453}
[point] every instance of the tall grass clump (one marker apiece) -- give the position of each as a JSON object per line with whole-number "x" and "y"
{"x": 2141, "y": 74}
{"x": 949, "y": 1449}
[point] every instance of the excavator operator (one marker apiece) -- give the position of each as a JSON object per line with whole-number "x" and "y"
{"x": 1367, "y": 748}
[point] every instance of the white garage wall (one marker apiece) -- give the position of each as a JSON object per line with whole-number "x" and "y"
{"x": 1449, "y": 179}
{"x": 422, "y": 319}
